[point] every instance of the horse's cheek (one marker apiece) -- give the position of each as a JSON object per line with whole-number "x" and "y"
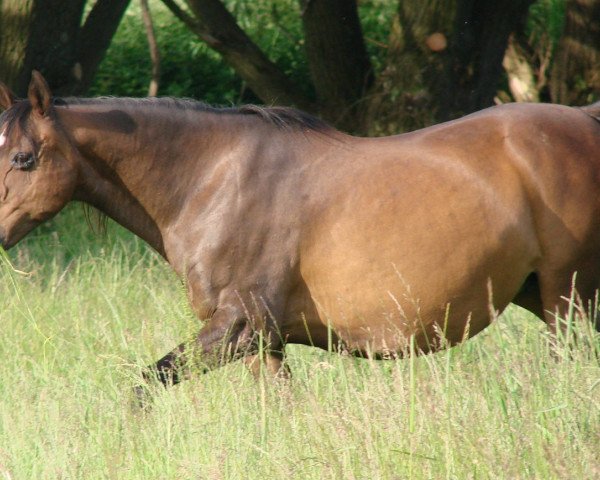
{"x": 55, "y": 189}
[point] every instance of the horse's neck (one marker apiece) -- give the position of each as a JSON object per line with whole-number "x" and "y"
{"x": 128, "y": 169}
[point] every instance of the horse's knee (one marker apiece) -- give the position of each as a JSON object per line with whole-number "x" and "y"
{"x": 237, "y": 336}
{"x": 225, "y": 336}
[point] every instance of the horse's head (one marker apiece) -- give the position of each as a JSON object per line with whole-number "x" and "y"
{"x": 38, "y": 172}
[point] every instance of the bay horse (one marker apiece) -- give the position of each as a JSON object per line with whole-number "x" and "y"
{"x": 286, "y": 230}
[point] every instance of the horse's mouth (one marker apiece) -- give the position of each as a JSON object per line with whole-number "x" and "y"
{"x": 9, "y": 240}
{"x": 3, "y": 243}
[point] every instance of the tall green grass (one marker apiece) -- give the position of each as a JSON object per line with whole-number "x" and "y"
{"x": 85, "y": 313}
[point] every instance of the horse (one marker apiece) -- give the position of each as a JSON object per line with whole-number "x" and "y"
{"x": 285, "y": 230}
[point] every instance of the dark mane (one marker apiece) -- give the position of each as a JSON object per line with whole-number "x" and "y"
{"x": 15, "y": 115}
{"x": 281, "y": 117}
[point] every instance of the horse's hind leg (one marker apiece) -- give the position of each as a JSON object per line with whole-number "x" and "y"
{"x": 556, "y": 289}
{"x": 529, "y": 297}
{"x": 271, "y": 363}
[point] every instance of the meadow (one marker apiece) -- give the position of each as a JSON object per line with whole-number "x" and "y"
{"x": 82, "y": 313}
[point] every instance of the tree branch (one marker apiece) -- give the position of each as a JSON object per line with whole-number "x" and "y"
{"x": 187, "y": 19}
{"x": 213, "y": 24}
{"x": 153, "y": 46}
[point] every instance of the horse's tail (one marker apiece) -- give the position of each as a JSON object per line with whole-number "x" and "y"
{"x": 592, "y": 110}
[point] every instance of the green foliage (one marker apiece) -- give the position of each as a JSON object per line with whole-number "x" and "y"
{"x": 376, "y": 18}
{"x": 191, "y": 69}
{"x": 546, "y": 21}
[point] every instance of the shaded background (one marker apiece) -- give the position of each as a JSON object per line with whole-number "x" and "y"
{"x": 367, "y": 66}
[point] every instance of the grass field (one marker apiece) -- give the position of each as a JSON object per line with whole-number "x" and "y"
{"x": 87, "y": 312}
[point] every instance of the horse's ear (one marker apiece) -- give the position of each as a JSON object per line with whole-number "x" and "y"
{"x": 39, "y": 94}
{"x": 7, "y": 97}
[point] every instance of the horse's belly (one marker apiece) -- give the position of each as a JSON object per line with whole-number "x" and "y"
{"x": 378, "y": 309}
{"x": 384, "y": 271}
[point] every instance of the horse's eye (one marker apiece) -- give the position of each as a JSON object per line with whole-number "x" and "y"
{"x": 23, "y": 161}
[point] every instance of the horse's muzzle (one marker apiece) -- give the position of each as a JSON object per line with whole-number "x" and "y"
{"x": 3, "y": 242}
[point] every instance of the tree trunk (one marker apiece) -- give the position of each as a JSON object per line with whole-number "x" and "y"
{"x": 339, "y": 65}
{"x": 407, "y": 92}
{"x": 481, "y": 33}
{"x": 95, "y": 37}
{"x": 46, "y": 35}
{"x": 522, "y": 82}
{"x": 444, "y": 60}
{"x": 338, "y": 61}
{"x": 32, "y": 35}
{"x": 15, "y": 19}
{"x": 575, "y": 77}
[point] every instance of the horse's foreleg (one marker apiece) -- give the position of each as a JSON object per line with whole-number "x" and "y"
{"x": 226, "y": 336}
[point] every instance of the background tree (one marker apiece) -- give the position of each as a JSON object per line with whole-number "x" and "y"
{"x": 444, "y": 60}
{"x": 367, "y": 66}
{"x": 215, "y": 25}
{"x": 152, "y": 47}
{"x": 49, "y": 35}
{"x": 575, "y": 78}
{"x": 340, "y": 68}
{"x": 437, "y": 81}
{"x": 339, "y": 65}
